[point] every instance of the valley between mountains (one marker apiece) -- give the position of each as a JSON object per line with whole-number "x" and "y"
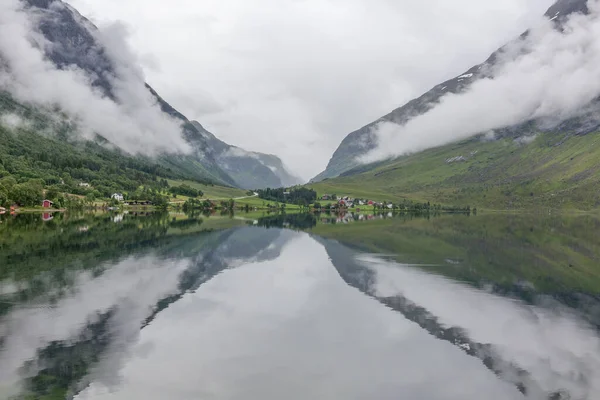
{"x": 544, "y": 161}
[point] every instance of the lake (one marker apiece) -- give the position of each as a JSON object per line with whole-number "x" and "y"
{"x": 166, "y": 306}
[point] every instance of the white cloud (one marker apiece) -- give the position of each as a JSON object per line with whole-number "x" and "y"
{"x": 12, "y": 121}
{"x": 525, "y": 140}
{"x": 136, "y": 124}
{"x": 552, "y": 75}
{"x": 553, "y": 345}
{"x": 237, "y": 152}
{"x": 292, "y": 77}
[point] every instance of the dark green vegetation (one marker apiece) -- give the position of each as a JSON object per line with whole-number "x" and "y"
{"x": 191, "y": 205}
{"x": 554, "y": 171}
{"x": 297, "y": 195}
{"x": 62, "y": 164}
{"x": 42, "y": 159}
{"x": 185, "y": 190}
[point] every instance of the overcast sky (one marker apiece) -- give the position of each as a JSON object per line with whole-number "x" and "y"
{"x": 294, "y": 77}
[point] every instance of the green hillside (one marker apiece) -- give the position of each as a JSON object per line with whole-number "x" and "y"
{"x": 557, "y": 171}
{"x": 212, "y": 192}
{"x": 42, "y": 151}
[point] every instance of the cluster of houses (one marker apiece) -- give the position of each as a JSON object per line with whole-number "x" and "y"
{"x": 49, "y": 204}
{"x": 348, "y": 202}
{"x": 121, "y": 199}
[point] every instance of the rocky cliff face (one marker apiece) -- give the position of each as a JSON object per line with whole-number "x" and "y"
{"x": 363, "y": 140}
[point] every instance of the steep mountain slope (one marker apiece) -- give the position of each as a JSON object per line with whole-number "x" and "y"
{"x": 249, "y": 170}
{"x": 28, "y": 153}
{"x": 360, "y": 142}
{"x": 548, "y": 170}
{"x": 71, "y": 41}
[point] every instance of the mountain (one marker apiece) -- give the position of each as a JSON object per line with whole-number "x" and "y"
{"x": 363, "y": 140}
{"x": 72, "y": 41}
{"x": 249, "y": 170}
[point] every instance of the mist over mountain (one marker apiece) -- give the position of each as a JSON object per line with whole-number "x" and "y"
{"x": 540, "y": 82}
{"x": 56, "y": 60}
{"x": 250, "y": 170}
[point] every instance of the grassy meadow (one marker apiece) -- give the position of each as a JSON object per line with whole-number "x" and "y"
{"x": 552, "y": 171}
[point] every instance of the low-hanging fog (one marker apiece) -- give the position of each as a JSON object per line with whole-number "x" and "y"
{"x": 133, "y": 121}
{"x": 293, "y": 78}
{"x": 552, "y": 74}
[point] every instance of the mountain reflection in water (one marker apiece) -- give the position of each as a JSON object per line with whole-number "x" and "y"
{"x": 189, "y": 310}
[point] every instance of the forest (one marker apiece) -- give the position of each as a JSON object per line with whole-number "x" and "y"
{"x": 34, "y": 167}
{"x": 300, "y": 196}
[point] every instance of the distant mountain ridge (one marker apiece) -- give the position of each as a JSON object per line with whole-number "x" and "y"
{"x": 250, "y": 170}
{"x": 72, "y": 41}
{"x": 363, "y": 140}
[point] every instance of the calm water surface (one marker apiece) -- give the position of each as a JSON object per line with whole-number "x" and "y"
{"x": 298, "y": 307}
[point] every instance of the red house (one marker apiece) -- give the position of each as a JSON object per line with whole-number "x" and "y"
{"x": 47, "y": 204}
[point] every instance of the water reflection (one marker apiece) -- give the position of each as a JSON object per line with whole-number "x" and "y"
{"x": 291, "y": 328}
{"x": 158, "y": 306}
{"x": 546, "y": 352}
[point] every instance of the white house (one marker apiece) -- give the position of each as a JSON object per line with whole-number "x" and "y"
{"x": 117, "y": 196}
{"x": 85, "y": 184}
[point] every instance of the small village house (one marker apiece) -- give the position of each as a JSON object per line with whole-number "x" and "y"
{"x": 117, "y": 196}
{"x": 325, "y": 197}
{"x": 84, "y": 184}
{"x": 47, "y": 204}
